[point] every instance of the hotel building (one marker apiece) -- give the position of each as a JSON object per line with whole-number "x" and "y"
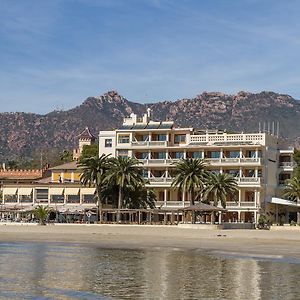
{"x": 256, "y": 160}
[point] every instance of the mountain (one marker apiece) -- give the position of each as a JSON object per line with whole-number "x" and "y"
{"x": 22, "y": 134}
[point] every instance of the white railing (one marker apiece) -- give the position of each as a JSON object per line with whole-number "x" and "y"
{"x": 160, "y": 179}
{"x": 246, "y": 137}
{"x": 149, "y": 144}
{"x": 246, "y": 180}
{"x": 290, "y": 164}
{"x": 240, "y": 204}
{"x": 170, "y": 203}
{"x": 158, "y": 161}
{"x": 234, "y": 160}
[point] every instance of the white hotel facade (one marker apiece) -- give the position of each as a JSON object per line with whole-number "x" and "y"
{"x": 254, "y": 159}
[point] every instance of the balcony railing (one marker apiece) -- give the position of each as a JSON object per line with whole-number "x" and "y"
{"x": 160, "y": 179}
{"x": 234, "y": 160}
{"x": 289, "y": 164}
{"x": 240, "y": 204}
{"x": 158, "y": 161}
{"x": 172, "y": 203}
{"x": 245, "y": 180}
{"x": 257, "y": 138}
{"x": 149, "y": 144}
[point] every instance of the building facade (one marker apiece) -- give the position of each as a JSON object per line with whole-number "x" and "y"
{"x": 254, "y": 159}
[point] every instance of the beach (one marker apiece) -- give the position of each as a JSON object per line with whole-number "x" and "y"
{"x": 276, "y": 243}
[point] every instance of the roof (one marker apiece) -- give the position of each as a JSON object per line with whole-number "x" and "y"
{"x": 86, "y": 134}
{"x": 202, "y": 207}
{"x": 67, "y": 166}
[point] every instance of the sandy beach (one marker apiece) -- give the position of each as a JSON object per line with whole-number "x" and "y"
{"x": 272, "y": 244}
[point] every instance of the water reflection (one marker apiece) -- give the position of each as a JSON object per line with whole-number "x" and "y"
{"x": 56, "y": 271}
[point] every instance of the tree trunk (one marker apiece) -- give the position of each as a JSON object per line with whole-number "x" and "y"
{"x": 120, "y": 201}
{"x": 99, "y": 205}
{"x": 192, "y": 199}
{"x": 192, "y": 202}
{"x": 298, "y": 213}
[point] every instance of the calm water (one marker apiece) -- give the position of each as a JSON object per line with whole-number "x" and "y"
{"x": 60, "y": 271}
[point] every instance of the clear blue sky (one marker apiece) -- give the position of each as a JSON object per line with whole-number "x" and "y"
{"x": 56, "y": 53}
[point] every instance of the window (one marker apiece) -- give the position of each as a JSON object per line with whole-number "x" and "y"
{"x": 196, "y": 154}
{"x": 179, "y": 138}
{"x": 161, "y": 155}
{"x": 234, "y": 173}
{"x": 57, "y": 198}
{"x": 42, "y": 195}
{"x": 25, "y": 198}
{"x": 123, "y": 139}
{"x": 73, "y": 199}
{"x": 144, "y": 155}
{"x": 108, "y": 143}
{"x": 161, "y": 137}
{"x": 234, "y": 154}
{"x": 10, "y": 198}
{"x": 178, "y": 155}
{"x": 123, "y": 153}
{"x": 215, "y": 154}
{"x": 88, "y": 199}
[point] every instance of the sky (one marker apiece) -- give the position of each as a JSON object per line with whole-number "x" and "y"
{"x": 56, "y": 53}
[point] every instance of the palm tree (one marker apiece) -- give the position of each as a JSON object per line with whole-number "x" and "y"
{"x": 292, "y": 191}
{"x": 42, "y": 213}
{"x": 124, "y": 174}
{"x": 219, "y": 186}
{"x": 93, "y": 174}
{"x": 189, "y": 176}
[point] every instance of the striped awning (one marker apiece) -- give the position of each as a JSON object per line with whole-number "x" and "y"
{"x": 88, "y": 191}
{"x": 71, "y": 191}
{"x": 10, "y": 191}
{"x": 56, "y": 191}
{"x": 25, "y": 191}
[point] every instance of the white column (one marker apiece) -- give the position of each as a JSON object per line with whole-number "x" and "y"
{"x": 165, "y": 197}
{"x": 183, "y": 198}
{"x": 241, "y": 172}
{"x": 221, "y": 153}
{"x": 184, "y": 154}
{"x": 240, "y": 197}
{"x": 72, "y": 177}
{"x": 241, "y": 152}
{"x": 52, "y": 176}
{"x": 62, "y": 174}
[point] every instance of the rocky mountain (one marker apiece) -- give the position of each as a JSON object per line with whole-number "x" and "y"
{"x": 22, "y": 134}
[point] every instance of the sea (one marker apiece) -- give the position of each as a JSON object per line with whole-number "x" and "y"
{"x": 76, "y": 271}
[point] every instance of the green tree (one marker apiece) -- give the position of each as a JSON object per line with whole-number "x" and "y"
{"x": 42, "y": 213}
{"x": 89, "y": 151}
{"x": 94, "y": 170}
{"x": 66, "y": 156}
{"x": 218, "y": 187}
{"x": 189, "y": 176}
{"x": 292, "y": 192}
{"x": 124, "y": 174}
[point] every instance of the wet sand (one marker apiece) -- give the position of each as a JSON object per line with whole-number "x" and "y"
{"x": 281, "y": 243}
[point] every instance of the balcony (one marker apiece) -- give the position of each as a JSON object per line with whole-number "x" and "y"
{"x": 171, "y": 203}
{"x": 151, "y": 162}
{"x": 164, "y": 181}
{"x": 240, "y": 204}
{"x": 287, "y": 164}
{"x": 149, "y": 144}
{"x": 249, "y": 180}
{"x": 234, "y": 161}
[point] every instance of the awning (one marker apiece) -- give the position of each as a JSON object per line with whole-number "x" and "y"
{"x": 25, "y": 191}
{"x": 88, "y": 191}
{"x": 283, "y": 202}
{"x": 71, "y": 191}
{"x": 56, "y": 191}
{"x": 10, "y": 191}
